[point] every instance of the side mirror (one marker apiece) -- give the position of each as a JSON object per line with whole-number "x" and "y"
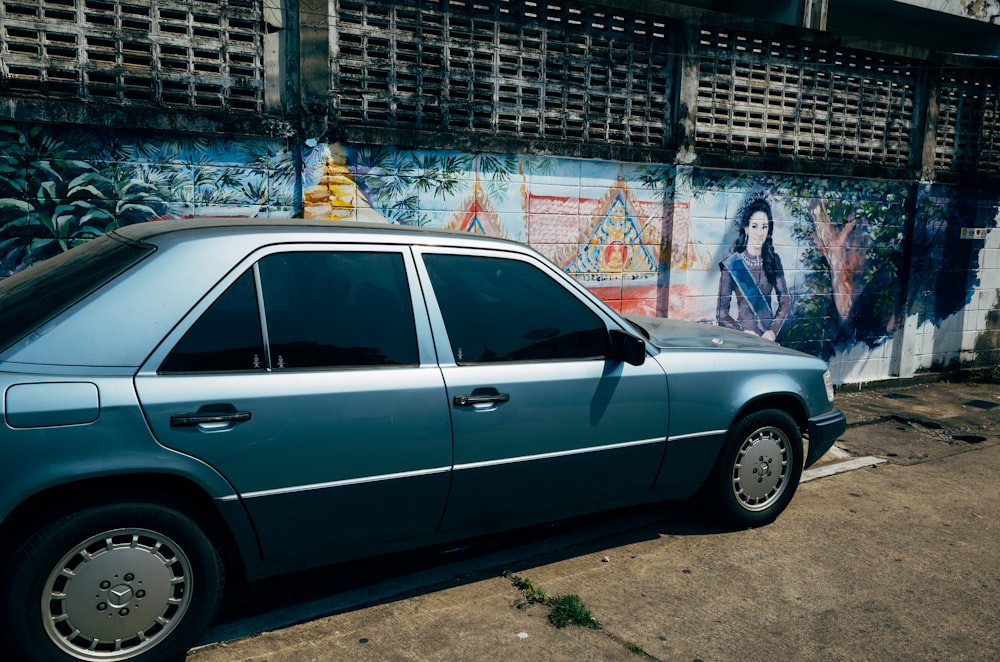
{"x": 626, "y": 347}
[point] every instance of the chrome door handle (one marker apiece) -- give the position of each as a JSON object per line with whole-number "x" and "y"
{"x": 480, "y": 399}
{"x": 189, "y": 420}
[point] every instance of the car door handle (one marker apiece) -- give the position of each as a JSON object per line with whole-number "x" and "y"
{"x": 189, "y": 420}
{"x": 480, "y": 399}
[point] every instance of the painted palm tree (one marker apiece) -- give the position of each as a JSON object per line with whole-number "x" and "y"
{"x": 54, "y": 195}
{"x": 395, "y": 181}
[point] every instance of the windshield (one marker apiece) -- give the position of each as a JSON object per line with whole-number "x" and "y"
{"x": 32, "y": 297}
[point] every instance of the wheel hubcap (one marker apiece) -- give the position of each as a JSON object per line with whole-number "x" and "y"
{"x": 116, "y": 595}
{"x": 760, "y": 474}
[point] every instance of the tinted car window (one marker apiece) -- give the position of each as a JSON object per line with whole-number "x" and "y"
{"x": 226, "y": 337}
{"x": 337, "y": 309}
{"x": 507, "y": 310}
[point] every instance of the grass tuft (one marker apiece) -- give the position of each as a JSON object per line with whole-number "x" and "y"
{"x": 530, "y": 592}
{"x": 569, "y": 610}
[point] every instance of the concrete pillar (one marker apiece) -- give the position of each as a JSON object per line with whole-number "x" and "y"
{"x": 814, "y": 14}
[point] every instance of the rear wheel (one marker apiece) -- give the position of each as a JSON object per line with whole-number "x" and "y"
{"x": 119, "y": 582}
{"x": 758, "y": 469}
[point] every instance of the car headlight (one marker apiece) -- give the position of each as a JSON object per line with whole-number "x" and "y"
{"x": 828, "y": 382}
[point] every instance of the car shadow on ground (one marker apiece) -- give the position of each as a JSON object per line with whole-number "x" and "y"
{"x": 269, "y": 604}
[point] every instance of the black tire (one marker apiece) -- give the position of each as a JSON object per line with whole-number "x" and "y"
{"x": 758, "y": 469}
{"x": 141, "y": 573}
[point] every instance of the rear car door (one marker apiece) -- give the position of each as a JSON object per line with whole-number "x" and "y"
{"x": 545, "y": 424}
{"x": 308, "y": 379}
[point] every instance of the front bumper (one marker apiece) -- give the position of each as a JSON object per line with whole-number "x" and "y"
{"x": 823, "y": 431}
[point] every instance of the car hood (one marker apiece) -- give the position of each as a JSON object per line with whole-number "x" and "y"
{"x": 677, "y": 334}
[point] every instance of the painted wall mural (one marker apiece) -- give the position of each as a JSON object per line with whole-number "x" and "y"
{"x": 601, "y": 222}
{"x": 844, "y": 258}
{"x": 61, "y": 186}
{"x": 833, "y": 252}
{"x": 953, "y": 290}
{"x": 879, "y": 278}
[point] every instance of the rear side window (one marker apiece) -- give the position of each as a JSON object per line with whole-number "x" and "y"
{"x": 322, "y": 309}
{"x": 338, "y": 309}
{"x": 498, "y": 310}
{"x": 227, "y": 337}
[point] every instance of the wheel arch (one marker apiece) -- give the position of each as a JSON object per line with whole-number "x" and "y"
{"x": 155, "y": 488}
{"x": 789, "y": 403}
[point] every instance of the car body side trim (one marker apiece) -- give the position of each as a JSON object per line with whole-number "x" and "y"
{"x": 344, "y": 483}
{"x": 437, "y": 470}
{"x": 706, "y": 433}
{"x": 546, "y": 456}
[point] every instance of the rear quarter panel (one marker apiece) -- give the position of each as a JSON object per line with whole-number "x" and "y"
{"x": 114, "y": 455}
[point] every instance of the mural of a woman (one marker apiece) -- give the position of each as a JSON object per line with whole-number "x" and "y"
{"x": 753, "y": 273}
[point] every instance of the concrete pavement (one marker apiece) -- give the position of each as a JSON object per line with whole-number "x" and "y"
{"x": 895, "y": 560}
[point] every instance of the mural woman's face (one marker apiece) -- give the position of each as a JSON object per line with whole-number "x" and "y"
{"x": 757, "y": 232}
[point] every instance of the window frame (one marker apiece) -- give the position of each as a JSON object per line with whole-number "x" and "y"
{"x": 425, "y": 348}
{"x": 269, "y": 318}
{"x": 445, "y": 353}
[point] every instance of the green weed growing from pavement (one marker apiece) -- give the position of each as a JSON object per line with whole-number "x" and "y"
{"x": 530, "y": 592}
{"x": 634, "y": 648}
{"x": 565, "y": 609}
{"x": 569, "y": 610}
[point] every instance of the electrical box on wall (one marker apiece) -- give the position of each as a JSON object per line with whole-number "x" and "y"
{"x": 973, "y": 233}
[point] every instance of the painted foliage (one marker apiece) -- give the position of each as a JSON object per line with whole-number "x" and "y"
{"x": 61, "y": 186}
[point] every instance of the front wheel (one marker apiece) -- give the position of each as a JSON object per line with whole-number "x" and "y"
{"x": 758, "y": 469}
{"x": 119, "y": 582}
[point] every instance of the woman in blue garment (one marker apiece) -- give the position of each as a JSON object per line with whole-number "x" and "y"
{"x": 753, "y": 273}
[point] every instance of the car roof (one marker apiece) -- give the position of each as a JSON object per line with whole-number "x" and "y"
{"x": 347, "y": 225}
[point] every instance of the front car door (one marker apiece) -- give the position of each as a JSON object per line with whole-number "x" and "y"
{"x": 308, "y": 380}
{"x": 544, "y": 423}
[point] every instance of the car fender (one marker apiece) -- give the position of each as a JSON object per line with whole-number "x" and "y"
{"x": 708, "y": 393}
{"x": 69, "y": 469}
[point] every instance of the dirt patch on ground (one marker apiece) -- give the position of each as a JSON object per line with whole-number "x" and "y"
{"x": 923, "y": 422}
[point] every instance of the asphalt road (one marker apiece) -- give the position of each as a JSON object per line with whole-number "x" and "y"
{"x": 897, "y": 559}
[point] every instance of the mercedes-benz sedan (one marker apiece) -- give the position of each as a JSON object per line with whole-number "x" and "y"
{"x": 187, "y": 399}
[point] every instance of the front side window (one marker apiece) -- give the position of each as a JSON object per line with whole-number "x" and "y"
{"x": 498, "y": 310}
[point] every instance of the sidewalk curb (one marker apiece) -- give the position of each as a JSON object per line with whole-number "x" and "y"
{"x": 841, "y": 467}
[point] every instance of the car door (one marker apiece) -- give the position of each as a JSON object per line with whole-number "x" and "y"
{"x": 544, "y": 423}
{"x": 308, "y": 380}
